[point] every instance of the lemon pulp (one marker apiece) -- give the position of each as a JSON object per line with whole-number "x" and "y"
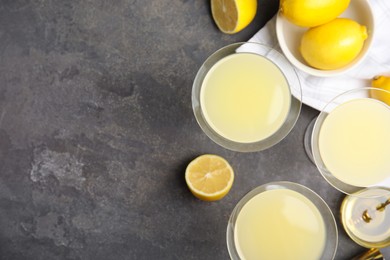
{"x": 231, "y": 16}
{"x": 209, "y": 177}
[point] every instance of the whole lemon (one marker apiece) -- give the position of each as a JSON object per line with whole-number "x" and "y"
{"x": 333, "y": 45}
{"x": 381, "y": 82}
{"x": 310, "y": 13}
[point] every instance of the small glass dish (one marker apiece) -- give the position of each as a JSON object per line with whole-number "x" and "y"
{"x": 281, "y": 64}
{"x": 366, "y": 217}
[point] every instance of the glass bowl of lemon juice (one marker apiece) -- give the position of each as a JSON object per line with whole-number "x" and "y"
{"x": 246, "y": 97}
{"x": 282, "y": 220}
{"x": 350, "y": 144}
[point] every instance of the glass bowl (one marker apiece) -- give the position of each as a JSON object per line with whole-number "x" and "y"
{"x": 331, "y": 233}
{"x": 281, "y": 64}
{"x": 351, "y": 95}
{"x": 363, "y": 218}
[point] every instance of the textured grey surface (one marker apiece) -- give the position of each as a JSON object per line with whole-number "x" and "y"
{"x": 96, "y": 129}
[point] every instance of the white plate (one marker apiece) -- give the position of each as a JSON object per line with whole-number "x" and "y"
{"x": 289, "y": 37}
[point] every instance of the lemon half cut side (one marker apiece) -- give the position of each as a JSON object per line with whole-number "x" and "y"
{"x": 209, "y": 177}
{"x": 231, "y": 16}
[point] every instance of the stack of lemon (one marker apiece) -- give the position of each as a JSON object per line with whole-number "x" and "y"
{"x": 330, "y": 42}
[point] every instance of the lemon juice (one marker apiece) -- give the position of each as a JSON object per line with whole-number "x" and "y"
{"x": 279, "y": 224}
{"x": 354, "y": 142}
{"x": 245, "y": 97}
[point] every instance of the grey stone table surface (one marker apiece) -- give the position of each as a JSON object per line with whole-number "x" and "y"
{"x": 96, "y": 129}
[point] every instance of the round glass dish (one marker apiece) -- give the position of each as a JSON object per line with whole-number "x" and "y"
{"x": 331, "y": 233}
{"x": 290, "y": 76}
{"x": 365, "y": 216}
{"x": 338, "y": 101}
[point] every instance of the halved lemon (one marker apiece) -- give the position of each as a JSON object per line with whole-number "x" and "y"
{"x": 209, "y": 177}
{"x": 231, "y": 16}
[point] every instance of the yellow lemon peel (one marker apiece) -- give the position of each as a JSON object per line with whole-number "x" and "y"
{"x": 310, "y": 13}
{"x": 381, "y": 82}
{"x": 333, "y": 45}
